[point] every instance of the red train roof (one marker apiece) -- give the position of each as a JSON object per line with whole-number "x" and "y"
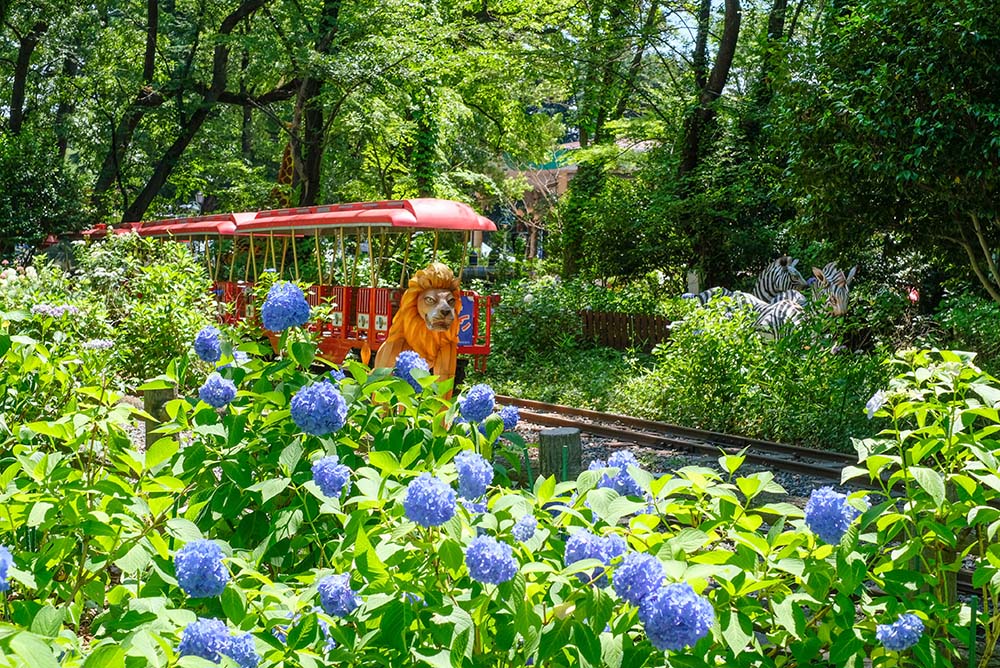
{"x": 416, "y": 214}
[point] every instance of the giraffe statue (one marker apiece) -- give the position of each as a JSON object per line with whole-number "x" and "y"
{"x": 281, "y": 194}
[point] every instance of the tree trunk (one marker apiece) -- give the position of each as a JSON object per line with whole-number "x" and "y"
{"x": 121, "y": 137}
{"x": 65, "y": 109}
{"x": 25, "y": 48}
{"x": 703, "y": 116}
{"x": 308, "y": 153}
{"x": 166, "y": 164}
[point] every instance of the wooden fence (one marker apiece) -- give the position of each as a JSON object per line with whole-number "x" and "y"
{"x": 625, "y": 330}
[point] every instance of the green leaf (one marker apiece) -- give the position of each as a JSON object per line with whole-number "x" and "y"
{"x": 931, "y": 481}
{"x": 270, "y": 488}
{"x": 106, "y": 655}
{"x": 33, "y": 651}
{"x": 290, "y": 456}
{"x": 611, "y": 650}
{"x": 183, "y": 530}
{"x": 134, "y": 560}
{"x": 438, "y": 659}
{"x": 160, "y": 451}
{"x": 303, "y": 352}
{"x": 737, "y": 629}
{"x": 48, "y": 621}
{"x": 234, "y": 604}
{"x": 384, "y": 461}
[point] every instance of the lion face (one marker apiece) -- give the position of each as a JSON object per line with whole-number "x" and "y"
{"x": 437, "y": 308}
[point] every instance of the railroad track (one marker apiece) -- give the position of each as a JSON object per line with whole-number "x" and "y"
{"x": 649, "y": 433}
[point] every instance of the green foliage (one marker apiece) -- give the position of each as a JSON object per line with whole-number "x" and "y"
{"x": 892, "y": 127}
{"x": 718, "y": 373}
{"x": 936, "y": 468}
{"x": 970, "y": 322}
{"x": 39, "y": 195}
{"x": 94, "y": 524}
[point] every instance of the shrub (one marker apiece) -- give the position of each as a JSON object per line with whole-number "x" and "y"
{"x": 718, "y": 373}
{"x": 94, "y": 527}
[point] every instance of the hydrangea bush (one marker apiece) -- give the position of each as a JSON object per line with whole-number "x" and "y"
{"x": 337, "y": 538}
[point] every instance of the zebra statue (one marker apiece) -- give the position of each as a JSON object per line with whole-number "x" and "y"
{"x": 778, "y": 278}
{"x": 788, "y": 309}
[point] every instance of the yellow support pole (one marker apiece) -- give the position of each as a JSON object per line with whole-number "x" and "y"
{"x": 274, "y": 255}
{"x": 253, "y": 258}
{"x": 284, "y": 252}
{"x": 357, "y": 259}
{"x": 295, "y": 257}
{"x": 406, "y": 260}
{"x": 319, "y": 257}
{"x": 246, "y": 274}
{"x": 218, "y": 259}
{"x": 372, "y": 269}
{"x": 435, "y": 256}
{"x": 343, "y": 256}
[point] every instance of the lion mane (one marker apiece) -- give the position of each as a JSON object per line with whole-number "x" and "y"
{"x": 409, "y": 331}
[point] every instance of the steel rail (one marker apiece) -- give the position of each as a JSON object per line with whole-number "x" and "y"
{"x": 683, "y": 432}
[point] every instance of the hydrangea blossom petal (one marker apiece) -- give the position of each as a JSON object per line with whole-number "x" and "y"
{"x": 474, "y": 474}
{"x": 638, "y": 576}
{"x": 207, "y": 345}
{"x": 525, "y": 528}
{"x": 676, "y": 617}
{"x": 330, "y": 475}
{"x": 319, "y": 409}
{"x": 828, "y": 515}
{"x": 489, "y": 561}
{"x": 477, "y": 404}
{"x": 217, "y": 391}
{"x": 207, "y": 638}
{"x": 510, "y": 416}
{"x": 429, "y": 501}
{"x": 407, "y": 361}
{"x": 336, "y": 595}
{"x": 902, "y": 634}
{"x": 284, "y": 307}
{"x": 243, "y": 651}
{"x": 6, "y": 561}
{"x": 199, "y": 568}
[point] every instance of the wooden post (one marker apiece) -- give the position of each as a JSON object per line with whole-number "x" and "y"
{"x": 560, "y": 453}
{"x": 153, "y": 402}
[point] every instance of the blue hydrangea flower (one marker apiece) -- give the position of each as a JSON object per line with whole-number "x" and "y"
{"x": 337, "y": 375}
{"x": 477, "y": 404}
{"x": 319, "y": 409}
{"x": 207, "y": 345}
{"x": 336, "y": 595}
{"x": 622, "y": 481}
{"x": 199, "y": 568}
{"x": 284, "y": 307}
{"x": 638, "y": 576}
{"x": 676, "y": 617}
{"x": 98, "y": 344}
{"x": 525, "y": 528}
{"x": 875, "y": 403}
{"x": 429, "y": 501}
{"x": 6, "y": 561}
{"x": 207, "y": 638}
{"x": 474, "y": 474}
{"x": 330, "y": 475}
{"x": 243, "y": 651}
{"x": 828, "y": 514}
{"x": 407, "y": 361}
{"x": 510, "y": 416}
{"x": 217, "y": 391}
{"x": 582, "y": 544}
{"x": 490, "y": 561}
{"x": 474, "y": 507}
{"x": 902, "y": 634}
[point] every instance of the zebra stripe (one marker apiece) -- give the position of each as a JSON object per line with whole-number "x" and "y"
{"x": 745, "y": 298}
{"x": 775, "y": 317}
{"x": 779, "y": 276}
{"x": 834, "y": 285}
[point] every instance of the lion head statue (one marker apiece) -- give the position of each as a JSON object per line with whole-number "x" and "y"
{"x": 426, "y": 321}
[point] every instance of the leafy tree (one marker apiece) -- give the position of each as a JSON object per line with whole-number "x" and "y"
{"x": 38, "y": 196}
{"x": 894, "y": 127}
